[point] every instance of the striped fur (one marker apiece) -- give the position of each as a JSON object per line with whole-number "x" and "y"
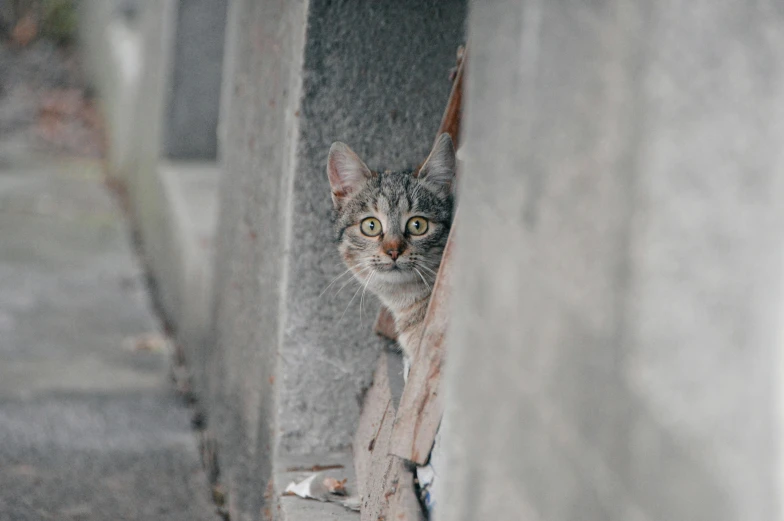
{"x": 404, "y": 285}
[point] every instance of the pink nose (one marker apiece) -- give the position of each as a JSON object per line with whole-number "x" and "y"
{"x": 394, "y": 254}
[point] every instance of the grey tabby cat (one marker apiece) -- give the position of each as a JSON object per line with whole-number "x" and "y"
{"x": 392, "y": 228}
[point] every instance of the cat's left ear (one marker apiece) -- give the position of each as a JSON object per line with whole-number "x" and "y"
{"x": 439, "y": 168}
{"x": 346, "y": 171}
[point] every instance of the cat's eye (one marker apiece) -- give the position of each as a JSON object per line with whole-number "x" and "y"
{"x": 370, "y": 227}
{"x": 416, "y": 225}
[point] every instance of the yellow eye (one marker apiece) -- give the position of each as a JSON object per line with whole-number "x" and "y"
{"x": 370, "y": 227}
{"x": 416, "y": 225}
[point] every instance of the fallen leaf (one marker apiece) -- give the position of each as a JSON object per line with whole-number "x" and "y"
{"x": 336, "y": 487}
{"x": 25, "y": 31}
{"x": 148, "y": 342}
{"x": 62, "y": 102}
{"x": 218, "y": 495}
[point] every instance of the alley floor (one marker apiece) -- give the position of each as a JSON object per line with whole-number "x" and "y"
{"x": 90, "y": 427}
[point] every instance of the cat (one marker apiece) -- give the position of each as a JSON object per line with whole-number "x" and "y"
{"x": 391, "y": 229}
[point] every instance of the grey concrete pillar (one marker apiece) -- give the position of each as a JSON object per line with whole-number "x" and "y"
{"x": 194, "y": 97}
{"x": 125, "y": 47}
{"x": 159, "y": 76}
{"x": 614, "y": 353}
{"x": 288, "y": 367}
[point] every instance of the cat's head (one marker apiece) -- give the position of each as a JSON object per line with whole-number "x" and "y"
{"x": 392, "y": 226}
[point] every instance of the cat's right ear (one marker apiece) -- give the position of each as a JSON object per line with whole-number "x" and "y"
{"x": 346, "y": 171}
{"x": 439, "y": 168}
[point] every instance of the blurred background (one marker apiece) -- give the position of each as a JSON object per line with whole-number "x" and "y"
{"x": 606, "y": 344}
{"x": 46, "y": 102}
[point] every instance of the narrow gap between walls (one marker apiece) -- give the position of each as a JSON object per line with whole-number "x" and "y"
{"x": 178, "y": 369}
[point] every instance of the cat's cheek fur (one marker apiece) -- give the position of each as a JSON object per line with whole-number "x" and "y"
{"x": 357, "y": 268}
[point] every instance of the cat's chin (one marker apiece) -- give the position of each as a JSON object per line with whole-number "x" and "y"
{"x": 396, "y": 275}
{"x": 399, "y": 288}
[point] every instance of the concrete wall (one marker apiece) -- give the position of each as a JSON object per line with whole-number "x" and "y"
{"x": 157, "y": 67}
{"x": 194, "y": 91}
{"x": 112, "y": 42}
{"x": 173, "y": 64}
{"x": 139, "y": 117}
{"x": 251, "y": 229}
{"x": 287, "y": 373}
{"x": 614, "y": 353}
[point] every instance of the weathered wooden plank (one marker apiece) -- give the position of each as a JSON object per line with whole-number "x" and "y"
{"x": 450, "y": 123}
{"x": 386, "y": 485}
{"x": 453, "y": 115}
{"x": 421, "y": 406}
{"x": 375, "y": 407}
{"x": 403, "y": 502}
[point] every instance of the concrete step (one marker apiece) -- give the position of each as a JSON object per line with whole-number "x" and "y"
{"x": 90, "y": 427}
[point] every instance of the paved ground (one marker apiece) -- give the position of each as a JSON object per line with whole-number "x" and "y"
{"x": 90, "y": 428}
{"x": 44, "y": 104}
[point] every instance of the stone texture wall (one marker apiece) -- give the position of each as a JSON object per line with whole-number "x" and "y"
{"x": 614, "y": 353}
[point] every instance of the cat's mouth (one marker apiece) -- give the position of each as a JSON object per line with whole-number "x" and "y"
{"x": 396, "y": 271}
{"x": 391, "y": 267}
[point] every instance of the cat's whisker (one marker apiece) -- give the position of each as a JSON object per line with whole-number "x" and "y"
{"x": 349, "y": 303}
{"x": 362, "y": 298}
{"x": 424, "y": 267}
{"x": 352, "y": 279}
{"x": 432, "y": 269}
{"x": 334, "y": 281}
{"x": 423, "y": 278}
{"x": 429, "y": 263}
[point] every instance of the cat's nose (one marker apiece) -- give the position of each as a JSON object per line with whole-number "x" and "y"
{"x": 393, "y": 247}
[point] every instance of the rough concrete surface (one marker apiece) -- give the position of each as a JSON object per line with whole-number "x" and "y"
{"x": 614, "y": 353}
{"x": 90, "y": 428}
{"x": 194, "y": 94}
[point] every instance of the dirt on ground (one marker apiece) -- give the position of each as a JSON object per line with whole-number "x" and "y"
{"x": 46, "y": 106}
